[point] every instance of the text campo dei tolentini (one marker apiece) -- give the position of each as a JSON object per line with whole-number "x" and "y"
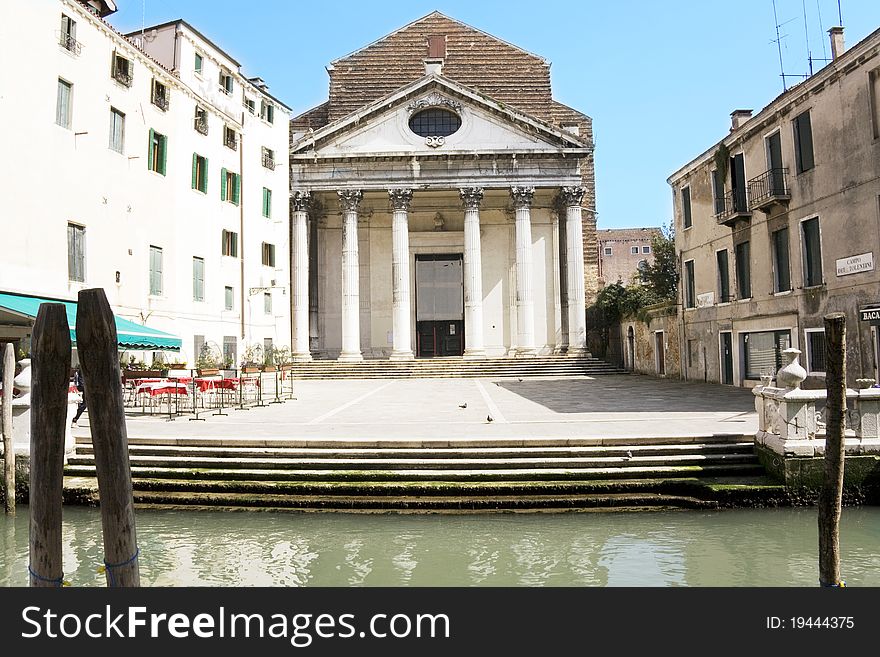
{"x": 300, "y": 629}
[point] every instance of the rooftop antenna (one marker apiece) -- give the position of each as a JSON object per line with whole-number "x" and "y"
{"x": 143, "y": 19}
{"x": 821, "y": 30}
{"x": 779, "y": 47}
{"x": 839, "y": 14}
{"x": 807, "y": 37}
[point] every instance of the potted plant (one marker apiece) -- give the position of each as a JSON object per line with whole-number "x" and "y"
{"x": 269, "y": 364}
{"x": 283, "y": 358}
{"x": 252, "y": 358}
{"x": 208, "y": 362}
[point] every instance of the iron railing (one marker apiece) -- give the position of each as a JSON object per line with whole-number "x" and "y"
{"x": 230, "y": 141}
{"x": 269, "y": 161}
{"x": 67, "y": 42}
{"x": 201, "y": 125}
{"x": 160, "y": 100}
{"x": 770, "y": 186}
{"x": 122, "y": 77}
{"x": 733, "y": 203}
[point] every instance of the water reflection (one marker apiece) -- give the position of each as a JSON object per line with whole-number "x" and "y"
{"x": 773, "y": 547}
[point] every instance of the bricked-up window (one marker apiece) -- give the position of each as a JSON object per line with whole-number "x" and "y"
{"x": 743, "y": 271}
{"x": 690, "y": 297}
{"x": 781, "y": 268}
{"x": 686, "y": 206}
{"x": 437, "y": 46}
{"x": 816, "y": 351}
{"x": 803, "y": 142}
{"x": 435, "y": 122}
{"x": 812, "y": 252}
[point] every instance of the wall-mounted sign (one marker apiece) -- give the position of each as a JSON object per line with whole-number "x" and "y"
{"x": 855, "y": 264}
{"x": 705, "y": 300}
{"x": 871, "y": 315}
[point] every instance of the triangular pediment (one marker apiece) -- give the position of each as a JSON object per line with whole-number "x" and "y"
{"x": 487, "y": 126}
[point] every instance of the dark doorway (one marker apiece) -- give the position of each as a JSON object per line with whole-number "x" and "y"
{"x": 726, "y": 359}
{"x": 660, "y": 349}
{"x": 439, "y": 305}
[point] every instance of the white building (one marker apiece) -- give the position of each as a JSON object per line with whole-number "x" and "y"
{"x": 145, "y": 164}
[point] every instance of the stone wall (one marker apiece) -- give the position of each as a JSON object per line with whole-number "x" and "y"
{"x": 640, "y": 350}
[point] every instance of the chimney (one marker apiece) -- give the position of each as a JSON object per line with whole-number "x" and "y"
{"x": 738, "y": 117}
{"x": 837, "y": 47}
{"x": 436, "y": 54}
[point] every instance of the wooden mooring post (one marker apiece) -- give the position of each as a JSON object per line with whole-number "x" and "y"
{"x": 6, "y": 428}
{"x": 50, "y": 348}
{"x": 98, "y": 355}
{"x": 831, "y": 494}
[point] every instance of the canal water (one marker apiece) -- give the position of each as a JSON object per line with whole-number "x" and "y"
{"x": 760, "y": 547}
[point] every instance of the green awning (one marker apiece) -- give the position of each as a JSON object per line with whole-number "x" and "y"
{"x": 131, "y": 336}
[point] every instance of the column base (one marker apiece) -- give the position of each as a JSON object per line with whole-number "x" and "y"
{"x": 474, "y": 354}
{"x": 578, "y": 351}
{"x": 526, "y": 352}
{"x": 401, "y": 355}
{"x": 305, "y": 357}
{"x": 354, "y": 357}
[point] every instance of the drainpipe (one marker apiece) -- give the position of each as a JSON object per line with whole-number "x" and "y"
{"x": 241, "y": 217}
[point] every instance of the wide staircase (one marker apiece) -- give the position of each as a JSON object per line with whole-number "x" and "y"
{"x": 431, "y": 475}
{"x": 455, "y": 368}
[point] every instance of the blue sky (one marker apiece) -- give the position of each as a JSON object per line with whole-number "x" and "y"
{"x": 659, "y": 78}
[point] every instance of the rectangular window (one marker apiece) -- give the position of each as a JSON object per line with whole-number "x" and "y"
{"x": 230, "y": 349}
{"x": 228, "y": 298}
{"x": 200, "y": 121}
{"x": 155, "y": 270}
{"x": 743, "y": 271}
{"x": 122, "y": 70}
{"x": 723, "y": 276}
{"x": 812, "y": 252}
{"x": 607, "y": 250}
{"x": 67, "y": 36}
{"x": 250, "y": 105}
{"x": 268, "y": 158}
{"x": 268, "y": 351}
{"x": 690, "y": 297}
{"x": 198, "y": 279}
{"x": 781, "y": 267}
{"x": 197, "y": 67}
{"x": 646, "y": 249}
{"x": 62, "y": 106}
{"x": 226, "y": 82}
{"x": 160, "y": 95}
{"x": 117, "y": 130}
{"x": 76, "y": 253}
{"x": 815, "y": 351}
{"x": 762, "y": 352}
{"x": 230, "y": 244}
{"x": 718, "y": 191}
{"x": 267, "y": 303}
{"x": 268, "y": 254}
{"x": 230, "y": 186}
{"x": 198, "y": 345}
{"x": 267, "y": 111}
{"x": 230, "y": 138}
{"x": 158, "y": 152}
{"x": 267, "y": 202}
{"x": 634, "y": 250}
{"x": 200, "y": 173}
{"x": 874, "y": 82}
{"x": 803, "y": 142}
{"x": 686, "y": 206}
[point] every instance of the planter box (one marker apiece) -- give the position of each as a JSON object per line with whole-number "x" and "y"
{"x": 209, "y": 371}
{"x": 142, "y": 374}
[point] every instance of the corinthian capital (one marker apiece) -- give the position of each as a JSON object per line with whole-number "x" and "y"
{"x": 299, "y": 201}
{"x": 471, "y": 197}
{"x": 572, "y": 196}
{"x": 400, "y": 198}
{"x": 349, "y": 199}
{"x": 522, "y": 196}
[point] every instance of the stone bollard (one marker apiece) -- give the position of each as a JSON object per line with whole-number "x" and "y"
{"x": 867, "y": 407}
{"x": 21, "y": 413}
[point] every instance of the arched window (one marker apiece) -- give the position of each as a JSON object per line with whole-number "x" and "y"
{"x": 435, "y": 122}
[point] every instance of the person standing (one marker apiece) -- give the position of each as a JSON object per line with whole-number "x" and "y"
{"x": 79, "y": 382}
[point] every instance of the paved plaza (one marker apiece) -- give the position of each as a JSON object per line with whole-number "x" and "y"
{"x": 610, "y": 406}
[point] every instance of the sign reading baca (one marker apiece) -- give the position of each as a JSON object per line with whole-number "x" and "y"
{"x": 871, "y": 315}
{"x": 855, "y": 264}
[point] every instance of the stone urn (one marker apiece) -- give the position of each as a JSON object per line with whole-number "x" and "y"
{"x": 791, "y": 374}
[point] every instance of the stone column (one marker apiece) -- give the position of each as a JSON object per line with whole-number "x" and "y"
{"x": 349, "y": 200}
{"x": 577, "y": 321}
{"x": 525, "y": 306}
{"x": 299, "y": 267}
{"x": 400, "y": 297}
{"x": 473, "y": 274}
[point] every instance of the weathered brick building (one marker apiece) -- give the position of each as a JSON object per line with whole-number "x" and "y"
{"x": 443, "y": 203}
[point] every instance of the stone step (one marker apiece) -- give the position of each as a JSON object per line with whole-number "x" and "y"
{"x": 431, "y": 474}
{"x": 593, "y": 451}
{"x": 338, "y": 444}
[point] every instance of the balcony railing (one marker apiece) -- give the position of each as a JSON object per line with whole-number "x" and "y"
{"x": 768, "y": 189}
{"x": 69, "y": 43}
{"x": 161, "y": 101}
{"x": 269, "y": 161}
{"x": 201, "y": 125}
{"x": 122, "y": 77}
{"x": 230, "y": 141}
{"x": 733, "y": 206}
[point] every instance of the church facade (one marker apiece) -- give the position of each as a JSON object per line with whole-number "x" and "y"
{"x": 442, "y": 204}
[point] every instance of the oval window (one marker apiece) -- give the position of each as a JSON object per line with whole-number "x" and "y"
{"x": 435, "y": 122}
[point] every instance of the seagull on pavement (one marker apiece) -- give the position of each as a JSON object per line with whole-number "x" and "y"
{"x": 464, "y": 405}
{"x": 489, "y": 418}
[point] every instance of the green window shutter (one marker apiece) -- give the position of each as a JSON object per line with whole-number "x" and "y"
{"x": 222, "y": 184}
{"x": 163, "y": 145}
{"x": 195, "y": 181}
{"x": 264, "y": 201}
{"x": 236, "y": 190}
{"x": 268, "y": 203}
{"x": 205, "y": 178}
{"x": 150, "y": 150}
